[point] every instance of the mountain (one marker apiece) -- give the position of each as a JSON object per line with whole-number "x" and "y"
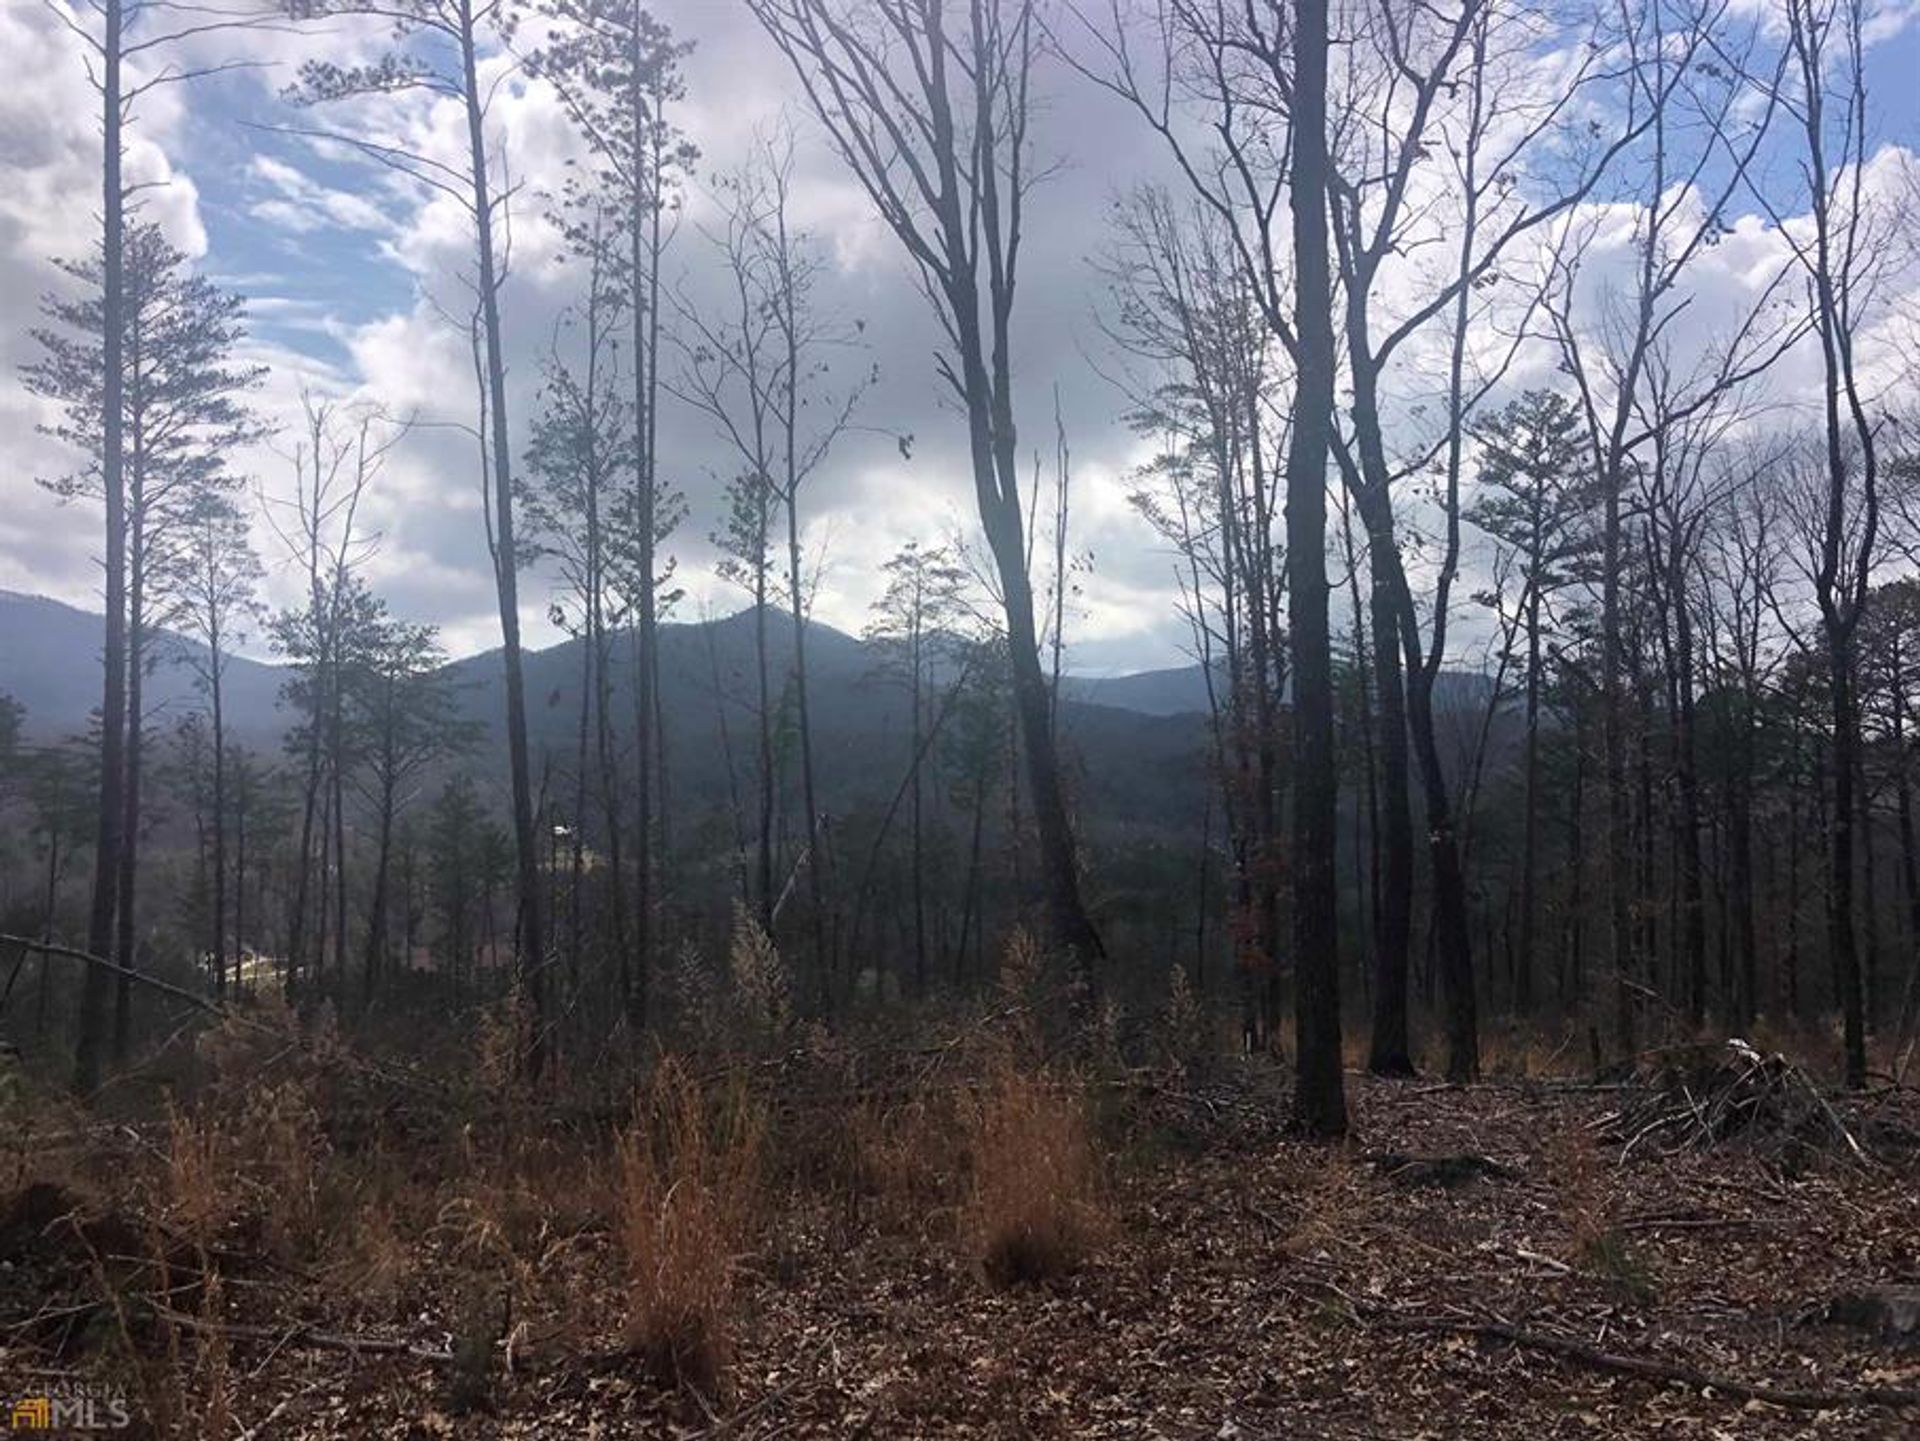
{"x": 1179, "y": 691}
{"x": 50, "y": 663}
{"x": 1134, "y": 746}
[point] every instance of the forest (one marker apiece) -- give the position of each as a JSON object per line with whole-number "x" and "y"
{"x": 760, "y": 977}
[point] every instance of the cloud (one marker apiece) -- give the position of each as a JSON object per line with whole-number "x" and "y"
{"x": 361, "y": 284}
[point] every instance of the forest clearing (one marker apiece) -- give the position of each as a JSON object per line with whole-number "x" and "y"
{"x": 782, "y": 1232}
{"x": 1006, "y": 718}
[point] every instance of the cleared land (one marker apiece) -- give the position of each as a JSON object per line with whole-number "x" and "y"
{"x": 947, "y": 1237}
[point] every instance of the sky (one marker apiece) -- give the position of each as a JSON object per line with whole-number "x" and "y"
{"x": 349, "y": 275}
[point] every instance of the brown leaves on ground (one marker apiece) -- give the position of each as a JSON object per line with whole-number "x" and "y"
{"x": 804, "y": 1246}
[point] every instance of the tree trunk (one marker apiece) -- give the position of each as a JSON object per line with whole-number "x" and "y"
{"x": 531, "y": 972}
{"x": 125, "y": 936}
{"x": 1840, "y": 907}
{"x": 649, "y": 737}
{"x": 1693, "y": 906}
{"x": 96, "y": 984}
{"x": 1619, "y": 853}
{"x": 816, "y": 857}
{"x": 377, "y": 907}
{"x": 763, "y": 682}
{"x": 1530, "y": 818}
{"x": 1391, "y": 1051}
{"x": 918, "y": 850}
{"x": 219, "y": 811}
{"x": 1319, "y": 1094}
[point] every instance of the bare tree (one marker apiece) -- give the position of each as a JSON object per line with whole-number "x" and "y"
{"x": 756, "y": 368}
{"x": 338, "y": 455}
{"x": 616, "y": 69}
{"x": 1826, "y": 70}
{"x": 219, "y": 576}
{"x": 581, "y": 517}
{"x": 1212, "y": 402}
{"x": 929, "y": 105}
{"x": 437, "y": 46}
{"x": 1691, "y": 157}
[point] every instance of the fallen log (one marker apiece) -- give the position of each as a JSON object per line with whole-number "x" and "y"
{"x": 1649, "y": 1368}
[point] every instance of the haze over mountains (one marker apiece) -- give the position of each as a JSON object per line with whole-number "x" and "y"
{"x": 1138, "y": 740}
{"x": 49, "y": 661}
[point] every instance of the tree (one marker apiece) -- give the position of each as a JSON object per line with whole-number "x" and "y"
{"x": 1691, "y": 155}
{"x": 1536, "y": 497}
{"x": 460, "y": 841}
{"x": 617, "y": 70}
{"x": 437, "y": 49}
{"x": 339, "y": 456}
{"x": 1825, "y": 43}
{"x": 753, "y": 370}
{"x": 218, "y": 575}
{"x": 913, "y": 625}
{"x": 1319, "y": 1098}
{"x": 329, "y": 649}
{"x": 745, "y": 544}
{"x": 404, "y": 708}
{"x": 1186, "y": 308}
{"x": 929, "y": 107}
{"x": 580, "y": 516}
{"x": 182, "y": 409}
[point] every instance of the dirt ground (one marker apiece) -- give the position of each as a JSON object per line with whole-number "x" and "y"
{"x": 1244, "y": 1285}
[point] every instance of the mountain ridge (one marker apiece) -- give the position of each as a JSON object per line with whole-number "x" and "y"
{"x": 50, "y": 658}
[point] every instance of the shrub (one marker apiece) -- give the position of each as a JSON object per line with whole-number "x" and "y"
{"x": 762, "y": 994}
{"x": 1600, "y": 1244}
{"x": 899, "y": 1165}
{"x": 200, "y": 1184}
{"x": 1032, "y": 1212}
{"x": 688, "y": 1175}
{"x": 281, "y": 1150}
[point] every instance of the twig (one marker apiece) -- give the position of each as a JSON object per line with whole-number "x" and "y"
{"x": 1696, "y": 1223}
{"x": 1650, "y": 1368}
{"x": 254, "y": 1431}
{"x": 724, "y": 1426}
{"x": 307, "y": 1336}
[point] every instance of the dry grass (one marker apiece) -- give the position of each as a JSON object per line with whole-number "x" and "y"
{"x": 1033, "y": 1211}
{"x": 1601, "y": 1246}
{"x": 1513, "y": 1050}
{"x": 687, "y": 1198}
{"x": 281, "y": 1149}
{"x": 898, "y": 1166}
{"x": 200, "y": 1196}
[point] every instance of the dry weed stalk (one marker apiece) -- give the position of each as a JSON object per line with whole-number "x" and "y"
{"x": 900, "y": 1164}
{"x": 201, "y": 1195}
{"x": 761, "y": 989}
{"x": 1032, "y": 1212}
{"x": 280, "y": 1152}
{"x": 689, "y": 1193}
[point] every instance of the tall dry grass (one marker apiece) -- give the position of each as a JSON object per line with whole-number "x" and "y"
{"x": 1033, "y": 1210}
{"x": 688, "y": 1197}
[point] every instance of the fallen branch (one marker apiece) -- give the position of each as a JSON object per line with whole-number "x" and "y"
{"x": 179, "y": 993}
{"x": 404, "y": 1077}
{"x": 308, "y": 1336}
{"x": 1651, "y": 1368}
